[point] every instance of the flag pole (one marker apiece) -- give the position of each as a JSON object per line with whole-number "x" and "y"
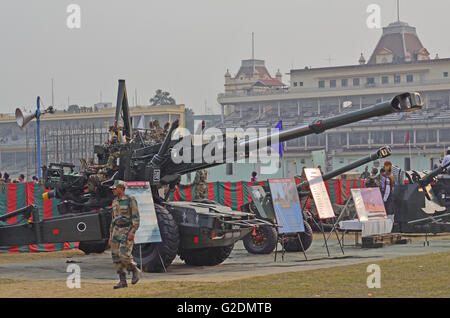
{"x": 410, "y": 159}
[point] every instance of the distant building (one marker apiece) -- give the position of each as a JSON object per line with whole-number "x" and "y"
{"x": 399, "y": 63}
{"x": 100, "y": 106}
{"x": 398, "y": 44}
{"x": 67, "y": 136}
{"x": 252, "y": 76}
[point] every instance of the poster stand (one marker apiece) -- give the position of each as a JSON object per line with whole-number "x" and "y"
{"x": 318, "y": 192}
{"x": 344, "y": 212}
{"x": 320, "y": 226}
{"x": 282, "y": 239}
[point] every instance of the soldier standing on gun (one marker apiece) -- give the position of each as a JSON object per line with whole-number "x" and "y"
{"x": 103, "y": 171}
{"x": 124, "y": 224}
{"x": 200, "y": 182}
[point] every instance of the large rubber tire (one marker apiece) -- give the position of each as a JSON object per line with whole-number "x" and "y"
{"x": 293, "y": 244}
{"x": 89, "y": 247}
{"x": 264, "y": 242}
{"x": 153, "y": 253}
{"x": 208, "y": 256}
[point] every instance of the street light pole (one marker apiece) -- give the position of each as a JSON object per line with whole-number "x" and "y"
{"x": 22, "y": 121}
{"x": 38, "y": 136}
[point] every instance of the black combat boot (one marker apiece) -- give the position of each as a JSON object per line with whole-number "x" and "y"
{"x": 123, "y": 281}
{"x": 137, "y": 274}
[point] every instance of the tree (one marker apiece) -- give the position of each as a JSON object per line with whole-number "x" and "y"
{"x": 189, "y": 119}
{"x": 162, "y": 98}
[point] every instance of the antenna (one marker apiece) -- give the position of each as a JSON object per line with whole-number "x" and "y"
{"x": 398, "y": 10}
{"x": 53, "y": 95}
{"x": 329, "y": 59}
{"x": 253, "y": 45}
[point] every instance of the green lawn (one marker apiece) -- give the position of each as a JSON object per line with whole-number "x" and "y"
{"x": 413, "y": 276}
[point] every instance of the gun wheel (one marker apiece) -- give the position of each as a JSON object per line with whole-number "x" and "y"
{"x": 89, "y": 247}
{"x": 208, "y": 256}
{"x": 262, "y": 241}
{"x": 293, "y": 244}
{"x": 156, "y": 257}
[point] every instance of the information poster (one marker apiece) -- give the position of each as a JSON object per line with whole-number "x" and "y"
{"x": 319, "y": 193}
{"x": 286, "y": 205}
{"x": 148, "y": 231}
{"x": 369, "y": 204}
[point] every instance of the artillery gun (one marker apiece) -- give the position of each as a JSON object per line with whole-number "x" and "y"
{"x": 416, "y": 207}
{"x": 201, "y": 232}
{"x": 263, "y": 239}
{"x": 441, "y": 189}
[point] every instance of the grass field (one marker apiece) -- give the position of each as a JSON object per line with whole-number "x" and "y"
{"x": 413, "y": 276}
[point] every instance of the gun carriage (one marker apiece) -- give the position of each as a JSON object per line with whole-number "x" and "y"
{"x": 201, "y": 232}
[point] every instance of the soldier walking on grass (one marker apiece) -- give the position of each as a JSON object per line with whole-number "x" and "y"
{"x": 124, "y": 224}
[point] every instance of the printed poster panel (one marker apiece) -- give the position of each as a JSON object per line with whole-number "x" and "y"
{"x": 319, "y": 193}
{"x": 286, "y": 205}
{"x": 369, "y": 204}
{"x": 148, "y": 231}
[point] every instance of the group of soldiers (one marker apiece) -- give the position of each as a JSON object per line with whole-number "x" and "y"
{"x": 156, "y": 134}
{"x": 102, "y": 172}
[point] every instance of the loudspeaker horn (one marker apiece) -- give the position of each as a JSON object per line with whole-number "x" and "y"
{"x": 21, "y": 120}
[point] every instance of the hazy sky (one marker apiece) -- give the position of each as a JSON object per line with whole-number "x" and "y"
{"x": 185, "y": 46}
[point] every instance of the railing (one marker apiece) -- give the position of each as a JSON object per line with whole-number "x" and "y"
{"x": 297, "y": 90}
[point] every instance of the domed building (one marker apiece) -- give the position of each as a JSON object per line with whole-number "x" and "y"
{"x": 398, "y": 63}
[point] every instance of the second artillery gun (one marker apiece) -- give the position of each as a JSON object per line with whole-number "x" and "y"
{"x": 263, "y": 239}
{"x": 201, "y": 232}
{"x": 416, "y": 207}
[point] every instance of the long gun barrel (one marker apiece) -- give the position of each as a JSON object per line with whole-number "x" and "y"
{"x": 429, "y": 177}
{"x": 406, "y": 102}
{"x": 383, "y": 152}
{"x": 158, "y": 158}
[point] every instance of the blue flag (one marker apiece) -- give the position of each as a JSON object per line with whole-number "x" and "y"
{"x": 279, "y": 146}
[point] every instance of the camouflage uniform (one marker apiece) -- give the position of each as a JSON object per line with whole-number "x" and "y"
{"x": 151, "y": 135}
{"x": 95, "y": 180}
{"x": 201, "y": 186}
{"x": 125, "y": 219}
{"x": 373, "y": 182}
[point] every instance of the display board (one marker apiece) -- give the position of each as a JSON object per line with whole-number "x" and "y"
{"x": 369, "y": 204}
{"x": 286, "y": 205}
{"x": 319, "y": 193}
{"x": 148, "y": 231}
